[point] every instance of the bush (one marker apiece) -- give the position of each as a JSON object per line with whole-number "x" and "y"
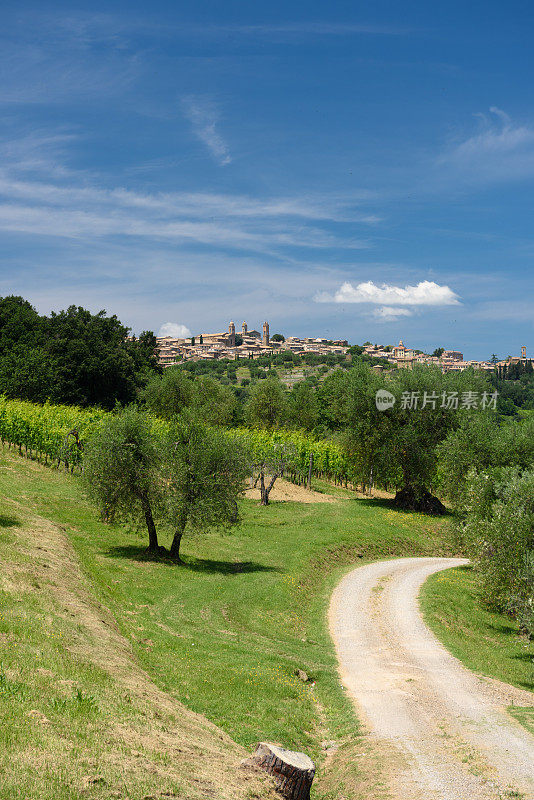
{"x": 497, "y": 532}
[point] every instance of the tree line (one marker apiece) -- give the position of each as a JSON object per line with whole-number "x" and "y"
{"x": 487, "y": 471}
{"x": 71, "y": 357}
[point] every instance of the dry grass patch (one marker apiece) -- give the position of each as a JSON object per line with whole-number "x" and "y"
{"x": 80, "y": 717}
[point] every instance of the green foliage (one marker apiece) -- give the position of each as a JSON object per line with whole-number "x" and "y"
{"x": 515, "y": 384}
{"x": 497, "y": 532}
{"x": 521, "y": 603}
{"x": 121, "y": 470}
{"x": 303, "y": 406}
{"x": 45, "y": 430}
{"x": 394, "y": 447}
{"x": 177, "y": 390}
{"x": 72, "y": 357}
{"x": 486, "y": 641}
{"x": 481, "y": 443}
{"x": 169, "y": 394}
{"x": 203, "y": 472}
{"x": 224, "y": 634}
{"x": 267, "y": 406}
{"x": 487, "y": 469}
{"x": 329, "y": 458}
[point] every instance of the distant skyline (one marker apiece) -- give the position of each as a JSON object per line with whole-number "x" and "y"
{"x": 345, "y": 170}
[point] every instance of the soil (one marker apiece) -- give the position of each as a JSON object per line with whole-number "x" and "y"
{"x": 443, "y": 731}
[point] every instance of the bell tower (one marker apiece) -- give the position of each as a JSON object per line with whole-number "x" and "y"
{"x": 266, "y": 333}
{"x": 231, "y": 334}
{"x": 244, "y": 329}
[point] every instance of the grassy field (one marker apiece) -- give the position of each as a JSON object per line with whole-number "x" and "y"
{"x": 486, "y": 642}
{"x": 224, "y": 634}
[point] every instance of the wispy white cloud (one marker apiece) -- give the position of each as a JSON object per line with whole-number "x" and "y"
{"x": 73, "y": 223}
{"x": 192, "y": 204}
{"x": 40, "y": 195}
{"x": 88, "y": 29}
{"x": 425, "y": 293}
{"x": 204, "y": 116}
{"x": 174, "y": 329}
{"x": 390, "y": 313}
{"x": 500, "y": 150}
{"x": 307, "y": 29}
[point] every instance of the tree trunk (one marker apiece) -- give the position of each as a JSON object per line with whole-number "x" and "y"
{"x": 292, "y": 772}
{"x": 264, "y": 497}
{"x": 266, "y": 490}
{"x": 180, "y": 528}
{"x": 412, "y": 498}
{"x": 308, "y": 486}
{"x": 175, "y": 546}
{"x": 149, "y": 519}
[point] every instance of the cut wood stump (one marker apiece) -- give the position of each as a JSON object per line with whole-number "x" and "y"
{"x": 292, "y": 772}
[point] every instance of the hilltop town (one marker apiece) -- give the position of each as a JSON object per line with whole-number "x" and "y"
{"x": 247, "y": 344}
{"x": 250, "y": 344}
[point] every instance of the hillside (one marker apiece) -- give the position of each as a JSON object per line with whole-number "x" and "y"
{"x": 100, "y": 647}
{"x": 80, "y": 715}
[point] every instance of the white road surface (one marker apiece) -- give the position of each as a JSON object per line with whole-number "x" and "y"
{"x": 444, "y": 731}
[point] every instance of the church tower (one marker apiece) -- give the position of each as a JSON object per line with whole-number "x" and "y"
{"x": 231, "y": 335}
{"x": 266, "y": 333}
{"x": 244, "y": 329}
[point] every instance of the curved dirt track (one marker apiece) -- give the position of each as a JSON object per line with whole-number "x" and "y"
{"x": 443, "y": 731}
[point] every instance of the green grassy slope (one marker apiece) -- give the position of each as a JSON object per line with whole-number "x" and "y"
{"x": 488, "y": 643}
{"x": 225, "y": 632}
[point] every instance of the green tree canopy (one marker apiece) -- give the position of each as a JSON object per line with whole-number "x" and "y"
{"x": 398, "y": 446}
{"x": 303, "y": 406}
{"x": 267, "y": 406}
{"x": 121, "y": 470}
{"x": 204, "y": 472}
{"x": 73, "y": 356}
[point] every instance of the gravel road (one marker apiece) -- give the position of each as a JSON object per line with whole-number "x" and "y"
{"x": 444, "y": 731}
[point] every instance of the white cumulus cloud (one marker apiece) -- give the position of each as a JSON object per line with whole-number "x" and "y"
{"x": 174, "y": 329}
{"x": 425, "y": 293}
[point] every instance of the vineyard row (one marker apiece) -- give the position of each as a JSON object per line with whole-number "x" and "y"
{"x": 56, "y": 434}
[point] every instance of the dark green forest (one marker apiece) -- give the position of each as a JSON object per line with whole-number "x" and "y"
{"x": 72, "y": 357}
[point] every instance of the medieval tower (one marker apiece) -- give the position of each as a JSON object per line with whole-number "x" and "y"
{"x": 265, "y": 333}
{"x": 231, "y": 335}
{"x": 244, "y": 329}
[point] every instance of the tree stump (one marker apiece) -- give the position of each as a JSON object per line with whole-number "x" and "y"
{"x": 292, "y": 772}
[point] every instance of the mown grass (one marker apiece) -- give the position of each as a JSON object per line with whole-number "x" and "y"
{"x": 226, "y": 631}
{"x": 487, "y": 642}
{"x": 60, "y": 714}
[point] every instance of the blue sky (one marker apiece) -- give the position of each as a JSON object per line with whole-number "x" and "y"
{"x": 350, "y": 170}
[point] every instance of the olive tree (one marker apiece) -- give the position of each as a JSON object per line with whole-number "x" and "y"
{"x": 203, "y": 473}
{"x": 271, "y": 465}
{"x": 267, "y": 406}
{"x": 397, "y": 445}
{"x": 121, "y": 471}
{"x": 170, "y": 393}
